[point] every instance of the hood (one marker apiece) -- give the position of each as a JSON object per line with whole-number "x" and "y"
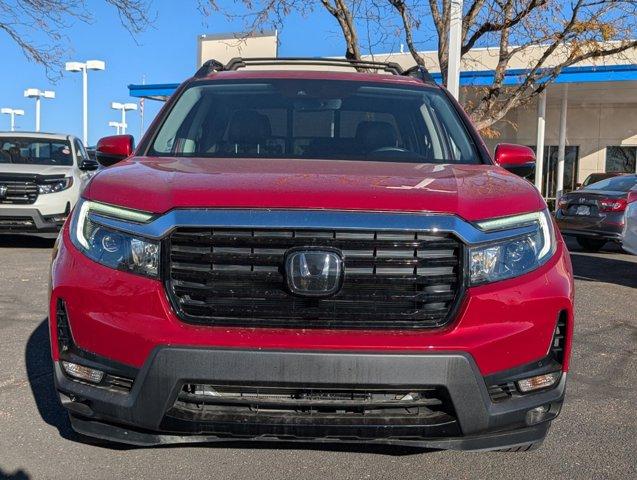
{"x": 29, "y": 168}
{"x": 157, "y": 185}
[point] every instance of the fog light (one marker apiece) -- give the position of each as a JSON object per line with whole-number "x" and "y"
{"x": 83, "y": 373}
{"x": 537, "y": 383}
{"x": 537, "y": 414}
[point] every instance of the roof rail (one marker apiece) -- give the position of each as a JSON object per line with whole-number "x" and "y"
{"x": 208, "y": 67}
{"x": 236, "y": 63}
{"x": 420, "y": 73}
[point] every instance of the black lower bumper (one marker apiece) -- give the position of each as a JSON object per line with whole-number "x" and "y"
{"x": 146, "y": 415}
{"x": 606, "y": 228}
{"x": 29, "y": 221}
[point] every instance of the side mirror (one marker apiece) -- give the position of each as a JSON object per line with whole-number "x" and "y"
{"x": 88, "y": 165}
{"x": 517, "y": 159}
{"x": 113, "y": 149}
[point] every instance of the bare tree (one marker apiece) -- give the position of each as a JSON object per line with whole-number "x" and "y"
{"x": 553, "y": 34}
{"x": 559, "y": 34}
{"x": 38, "y": 26}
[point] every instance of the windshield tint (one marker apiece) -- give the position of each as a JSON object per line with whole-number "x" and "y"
{"x": 314, "y": 119}
{"x": 618, "y": 184}
{"x": 35, "y": 151}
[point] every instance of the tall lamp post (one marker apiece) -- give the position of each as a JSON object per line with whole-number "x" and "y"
{"x": 118, "y": 126}
{"x": 12, "y": 112}
{"x": 38, "y": 94}
{"x": 123, "y": 107}
{"x": 84, "y": 68}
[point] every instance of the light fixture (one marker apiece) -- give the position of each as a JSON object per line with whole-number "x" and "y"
{"x": 38, "y": 94}
{"x": 538, "y": 382}
{"x": 84, "y": 68}
{"x": 81, "y": 372}
{"x": 12, "y": 112}
{"x": 123, "y": 107}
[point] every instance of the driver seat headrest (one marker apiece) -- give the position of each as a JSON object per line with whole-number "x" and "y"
{"x": 248, "y": 127}
{"x": 374, "y": 135}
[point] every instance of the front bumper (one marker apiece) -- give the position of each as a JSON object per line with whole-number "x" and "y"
{"x": 146, "y": 415}
{"x": 29, "y": 221}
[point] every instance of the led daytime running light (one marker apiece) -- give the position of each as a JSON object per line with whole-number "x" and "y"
{"x": 510, "y": 222}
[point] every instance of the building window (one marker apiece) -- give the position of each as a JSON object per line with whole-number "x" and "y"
{"x": 621, "y": 159}
{"x": 549, "y": 171}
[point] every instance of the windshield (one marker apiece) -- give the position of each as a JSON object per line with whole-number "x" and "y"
{"x": 35, "y": 151}
{"x": 618, "y": 184}
{"x": 314, "y": 119}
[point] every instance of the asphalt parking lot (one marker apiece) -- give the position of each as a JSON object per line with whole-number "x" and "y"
{"x": 595, "y": 436}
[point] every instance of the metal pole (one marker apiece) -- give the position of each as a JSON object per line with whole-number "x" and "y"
{"x": 455, "y": 45}
{"x": 562, "y": 148}
{"x": 37, "y": 114}
{"x": 539, "y": 151}
{"x": 12, "y": 115}
{"x": 123, "y": 120}
{"x": 85, "y": 104}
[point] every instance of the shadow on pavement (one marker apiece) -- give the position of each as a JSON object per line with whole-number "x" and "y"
{"x": 40, "y": 375}
{"x": 17, "y": 475}
{"x": 24, "y": 241}
{"x": 598, "y": 268}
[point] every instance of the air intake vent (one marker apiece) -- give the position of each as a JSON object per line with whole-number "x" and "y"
{"x": 502, "y": 391}
{"x": 559, "y": 339}
{"x": 65, "y": 338}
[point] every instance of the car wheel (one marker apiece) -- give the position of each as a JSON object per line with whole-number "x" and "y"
{"x": 590, "y": 244}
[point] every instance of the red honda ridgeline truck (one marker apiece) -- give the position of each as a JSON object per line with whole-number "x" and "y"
{"x": 312, "y": 255}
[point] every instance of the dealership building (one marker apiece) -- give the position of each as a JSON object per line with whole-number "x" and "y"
{"x": 590, "y": 109}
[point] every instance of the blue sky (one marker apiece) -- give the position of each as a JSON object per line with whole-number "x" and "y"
{"x": 165, "y": 52}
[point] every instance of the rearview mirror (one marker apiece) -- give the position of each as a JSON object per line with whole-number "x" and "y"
{"x": 88, "y": 165}
{"x": 517, "y": 159}
{"x": 113, "y": 149}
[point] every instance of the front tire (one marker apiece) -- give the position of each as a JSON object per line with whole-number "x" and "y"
{"x": 591, "y": 244}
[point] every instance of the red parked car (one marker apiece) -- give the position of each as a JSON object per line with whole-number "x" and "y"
{"x": 312, "y": 255}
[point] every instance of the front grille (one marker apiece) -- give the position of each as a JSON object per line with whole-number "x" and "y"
{"x": 393, "y": 279}
{"x": 19, "y": 190}
{"x": 315, "y": 402}
{"x": 306, "y": 412}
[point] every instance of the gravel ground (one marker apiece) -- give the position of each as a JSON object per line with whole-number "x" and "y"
{"x": 593, "y": 438}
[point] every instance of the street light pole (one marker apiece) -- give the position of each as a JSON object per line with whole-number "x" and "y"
{"x": 455, "y": 46}
{"x": 85, "y": 105}
{"x": 38, "y": 95}
{"x": 84, "y": 68}
{"x": 12, "y": 112}
{"x": 123, "y": 107}
{"x": 118, "y": 126}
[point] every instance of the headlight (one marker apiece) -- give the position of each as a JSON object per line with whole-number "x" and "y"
{"x": 514, "y": 256}
{"x": 52, "y": 186}
{"x": 113, "y": 248}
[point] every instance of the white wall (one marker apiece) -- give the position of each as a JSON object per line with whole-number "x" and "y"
{"x": 592, "y": 127}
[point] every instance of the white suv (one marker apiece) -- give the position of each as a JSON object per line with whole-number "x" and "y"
{"x": 41, "y": 177}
